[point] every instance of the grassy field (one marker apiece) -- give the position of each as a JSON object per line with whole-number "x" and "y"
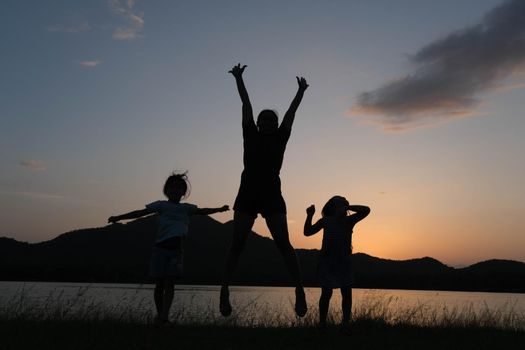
{"x": 79, "y": 323}
{"x": 365, "y": 335}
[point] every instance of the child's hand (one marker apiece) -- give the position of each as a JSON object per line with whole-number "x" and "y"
{"x": 310, "y": 211}
{"x": 113, "y": 220}
{"x": 224, "y": 208}
{"x": 303, "y": 85}
{"x": 237, "y": 70}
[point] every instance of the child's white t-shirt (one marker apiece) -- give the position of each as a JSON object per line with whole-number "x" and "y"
{"x": 174, "y": 218}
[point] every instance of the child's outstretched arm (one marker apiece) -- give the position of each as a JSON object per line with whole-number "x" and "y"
{"x": 247, "y": 112}
{"x": 310, "y": 229}
{"x": 361, "y": 212}
{"x": 208, "y": 211}
{"x": 131, "y": 215}
{"x": 289, "y": 116}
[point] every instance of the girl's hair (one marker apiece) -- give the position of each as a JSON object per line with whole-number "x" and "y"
{"x": 330, "y": 206}
{"x": 177, "y": 180}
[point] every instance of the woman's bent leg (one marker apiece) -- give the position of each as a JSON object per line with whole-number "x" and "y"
{"x": 279, "y": 229}
{"x": 242, "y": 225}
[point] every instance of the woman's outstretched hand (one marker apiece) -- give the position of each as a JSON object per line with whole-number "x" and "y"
{"x": 237, "y": 70}
{"x": 303, "y": 85}
{"x": 224, "y": 208}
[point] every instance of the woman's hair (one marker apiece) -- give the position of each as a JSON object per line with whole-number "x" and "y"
{"x": 177, "y": 180}
{"x": 268, "y": 114}
{"x": 330, "y": 206}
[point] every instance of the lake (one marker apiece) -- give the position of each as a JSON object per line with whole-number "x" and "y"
{"x": 252, "y": 305}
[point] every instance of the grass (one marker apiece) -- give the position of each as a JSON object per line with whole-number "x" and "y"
{"x": 77, "y": 322}
{"x": 116, "y": 335}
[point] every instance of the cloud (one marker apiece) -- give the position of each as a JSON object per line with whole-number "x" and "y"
{"x": 90, "y": 63}
{"x": 74, "y": 28}
{"x": 33, "y": 165}
{"x": 124, "y": 33}
{"x": 449, "y": 74}
{"x": 134, "y": 20}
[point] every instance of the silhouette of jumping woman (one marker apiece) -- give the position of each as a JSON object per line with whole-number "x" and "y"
{"x": 335, "y": 258}
{"x": 260, "y": 189}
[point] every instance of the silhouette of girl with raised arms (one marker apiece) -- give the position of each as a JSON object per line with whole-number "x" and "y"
{"x": 260, "y": 189}
{"x": 334, "y": 266}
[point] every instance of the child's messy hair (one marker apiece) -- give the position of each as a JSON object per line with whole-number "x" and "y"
{"x": 177, "y": 179}
{"x": 330, "y": 206}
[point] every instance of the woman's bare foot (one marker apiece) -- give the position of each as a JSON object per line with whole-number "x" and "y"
{"x": 300, "y": 302}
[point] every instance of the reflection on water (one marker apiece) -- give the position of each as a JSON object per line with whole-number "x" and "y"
{"x": 252, "y": 305}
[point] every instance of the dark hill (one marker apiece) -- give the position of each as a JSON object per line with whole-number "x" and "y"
{"x": 120, "y": 253}
{"x": 494, "y": 274}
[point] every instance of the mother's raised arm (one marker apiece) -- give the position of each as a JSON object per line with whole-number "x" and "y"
{"x": 289, "y": 116}
{"x": 247, "y": 112}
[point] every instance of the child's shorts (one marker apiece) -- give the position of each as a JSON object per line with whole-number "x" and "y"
{"x": 165, "y": 263}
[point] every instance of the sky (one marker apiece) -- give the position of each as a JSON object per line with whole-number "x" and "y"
{"x": 414, "y": 109}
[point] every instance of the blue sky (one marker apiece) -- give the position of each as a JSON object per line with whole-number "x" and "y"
{"x": 101, "y": 100}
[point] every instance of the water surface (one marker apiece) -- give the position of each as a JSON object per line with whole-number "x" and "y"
{"x": 252, "y": 305}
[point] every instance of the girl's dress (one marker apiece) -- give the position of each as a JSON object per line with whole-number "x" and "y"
{"x": 167, "y": 254}
{"x": 335, "y": 258}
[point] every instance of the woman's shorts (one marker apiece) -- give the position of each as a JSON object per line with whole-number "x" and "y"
{"x": 264, "y": 199}
{"x": 165, "y": 263}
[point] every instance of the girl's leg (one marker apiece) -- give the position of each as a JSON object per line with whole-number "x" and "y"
{"x": 346, "y": 305}
{"x": 158, "y": 296}
{"x": 169, "y": 286}
{"x": 324, "y": 303}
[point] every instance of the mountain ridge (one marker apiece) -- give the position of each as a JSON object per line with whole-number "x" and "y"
{"x": 120, "y": 253}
